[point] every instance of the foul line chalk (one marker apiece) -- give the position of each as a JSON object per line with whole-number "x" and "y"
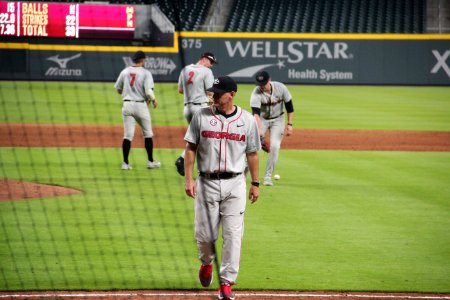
{"x": 94, "y": 295}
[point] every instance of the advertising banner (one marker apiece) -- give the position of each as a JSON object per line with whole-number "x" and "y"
{"x": 292, "y": 59}
{"x": 330, "y": 61}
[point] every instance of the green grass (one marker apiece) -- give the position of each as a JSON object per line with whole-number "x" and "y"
{"x": 327, "y": 107}
{"x": 127, "y": 229}
{"x": 353, "y": 221}
{"x": 337, "y": 220}
{"x": 375, "y": 107}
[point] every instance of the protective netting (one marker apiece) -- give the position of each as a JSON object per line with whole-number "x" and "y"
{"x": 70, "y": 218}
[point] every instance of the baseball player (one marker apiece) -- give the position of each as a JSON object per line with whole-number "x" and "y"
{"x": 221, "y": 137}
{"x": 267, "y": 102}
{"x": 193, "y": 82}
{"x": 135, "y": 84}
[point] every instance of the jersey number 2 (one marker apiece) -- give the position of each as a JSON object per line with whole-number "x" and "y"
{"x": 133, "y": 78}
{"x": 191, "y": 75}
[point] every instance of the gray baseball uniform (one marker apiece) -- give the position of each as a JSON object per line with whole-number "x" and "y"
{"x": 194, "y": 79}
{"x": 135, "y": 83}
{"x": 272, "y": 118}
{"x": 222, "y": 142}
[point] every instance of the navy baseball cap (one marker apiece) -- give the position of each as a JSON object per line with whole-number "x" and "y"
{"x": 261, "y": 78}
{"x": 224, "y": 84}
{"x": 210, "y": 56}
{"x": 138, "y": 55}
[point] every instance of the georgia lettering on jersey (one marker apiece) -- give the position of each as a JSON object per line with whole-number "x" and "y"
{"x": 223, "y": 135}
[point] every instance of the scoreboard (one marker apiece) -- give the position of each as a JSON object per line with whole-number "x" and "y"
{"x": 67, "y": 20}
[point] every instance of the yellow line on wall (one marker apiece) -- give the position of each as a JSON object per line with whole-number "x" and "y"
{"x": 94, "y": 48}
{"x": 323, "y": 36}
{"x": 86, "y": 48}
{"x": 234, "y": 35}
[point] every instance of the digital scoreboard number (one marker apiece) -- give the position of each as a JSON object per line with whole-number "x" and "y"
{"x": 67, "y": 20}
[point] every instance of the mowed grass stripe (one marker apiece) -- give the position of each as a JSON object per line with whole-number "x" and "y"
{"x": 353, "y": 222}
{"x": 337, "y": 220}
{"x": 324, "y": 107}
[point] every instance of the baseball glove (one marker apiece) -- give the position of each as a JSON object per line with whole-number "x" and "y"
{"x": 264, "y": 144}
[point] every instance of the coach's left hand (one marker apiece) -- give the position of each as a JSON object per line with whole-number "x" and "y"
{"x": 289, "y": 130}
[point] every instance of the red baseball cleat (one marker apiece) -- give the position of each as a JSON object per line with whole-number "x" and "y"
{"x": 225, "y": 292}
{"x": 205, "y": 275}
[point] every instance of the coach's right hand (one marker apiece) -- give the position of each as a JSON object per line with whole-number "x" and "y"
{"x": 189, "y": 158}
{"x": 190, "y": 187}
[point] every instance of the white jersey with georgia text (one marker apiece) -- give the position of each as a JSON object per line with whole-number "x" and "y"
{"x": 221, "y": 140}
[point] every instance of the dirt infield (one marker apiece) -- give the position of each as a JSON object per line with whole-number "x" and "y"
{"x": 30, "y": 135}
{"x": 13, "y": 190}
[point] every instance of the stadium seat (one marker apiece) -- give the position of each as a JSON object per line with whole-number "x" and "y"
{"x": 186, "y": 15}
{"x": 341, "y": 16}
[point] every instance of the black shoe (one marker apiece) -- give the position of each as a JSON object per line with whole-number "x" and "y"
{"x": 180, "y": 165}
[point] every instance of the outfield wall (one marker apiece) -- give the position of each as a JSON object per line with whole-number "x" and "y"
{"x": 290, "y": 58}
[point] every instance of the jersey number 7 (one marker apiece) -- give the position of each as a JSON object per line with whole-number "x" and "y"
{"x": 133, "y": 78}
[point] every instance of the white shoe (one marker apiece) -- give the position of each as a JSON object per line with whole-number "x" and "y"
{"x": 126, "y": 166}
{"x": 153, "y": 164}
{"x": 268, "y": 181}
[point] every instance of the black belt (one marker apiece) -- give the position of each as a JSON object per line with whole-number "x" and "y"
{"x": 215, "y": 176}
{"x": 275, "y": 117}
{"x": 195, "y": 103}
{"x": 134, "y": 101}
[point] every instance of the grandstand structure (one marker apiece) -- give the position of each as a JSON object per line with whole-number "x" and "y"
{"x": 438, "y": 16}
{"x": 330, "y": 16}
{"x": 304, "y": 16}
{"x": 307, "y": 16}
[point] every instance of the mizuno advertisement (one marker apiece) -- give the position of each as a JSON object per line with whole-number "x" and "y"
{"x": 290, "y": 60}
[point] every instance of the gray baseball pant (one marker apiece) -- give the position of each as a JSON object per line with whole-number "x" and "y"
{"x": 221, "y": 201}
{"x": 276, "y": 128}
